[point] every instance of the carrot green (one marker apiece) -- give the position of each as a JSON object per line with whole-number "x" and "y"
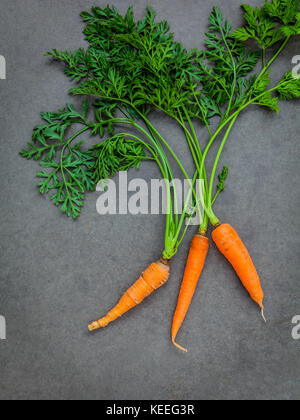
{"x": 133, "y": 67}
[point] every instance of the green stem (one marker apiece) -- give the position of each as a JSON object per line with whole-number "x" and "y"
{"x": 168, "y": 178}
{"x": 168, "y": 147}
{"x": 202, "y": 175}
{"x": 183, "y": 216}
{"x": 245, "y": 105}
{"x": 171, "y": 174}
{"x": 193, "y": 145}
{"x": 148, "y": 123}
{"x": 215, "y": 198}
{"x": 190, "y": 140}
{"x": 215, "y": 135}
{"x": 232, "y": 119}
{"x": 210, "y": 212}
{"x": 170, "y": 150}
{"x": 265, "y": 69}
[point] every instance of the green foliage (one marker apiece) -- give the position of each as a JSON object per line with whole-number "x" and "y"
{"x": 287, "y": 12}
{"x": 135, "y": 66}
{"x": 69, "y": 171}
{"x": 67, "y": 168}
{"x": 284, "y": 11}
{"x": 138, "y": 64}
{"x": 258, "y": 27}
{"x": 47, "y": 138}
{"x": 222, "y": 179}
{"x": 269, "y": 101}
{"x": 77, "y": 62}
{"x": 70, "y": 179}
{"x": 276, "y": 20}
{"x": 289, "y": 87}
{"x": 118, "y": 153}
{"x": 264, "y": 96}
{"x": 225, "y": 65}
{"x": 243, "y": 89}
{"x": 131, "y": 67}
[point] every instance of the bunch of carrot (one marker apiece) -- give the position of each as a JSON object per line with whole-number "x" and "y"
{"x": 133, "y": 68}
{"x": 225, "y": 236}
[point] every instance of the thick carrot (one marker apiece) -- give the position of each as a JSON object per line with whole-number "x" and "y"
{"x": 194, "y": 266}
{"x": 232, "y": 247}
{"x": 154, "y": 277}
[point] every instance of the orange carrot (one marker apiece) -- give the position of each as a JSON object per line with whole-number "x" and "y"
{"x": 154, "y": 277}
{"x": 232, "y": 247}
{"x": 195, "y": 263}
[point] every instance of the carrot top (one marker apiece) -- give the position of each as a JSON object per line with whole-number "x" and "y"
{"x": 132, "y": 67}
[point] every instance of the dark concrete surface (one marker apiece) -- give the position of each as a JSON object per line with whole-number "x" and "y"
{"x": 56, "y": 275}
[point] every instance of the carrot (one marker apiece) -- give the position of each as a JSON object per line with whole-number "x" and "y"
{"x": 195, "y": 263}
{"x": 232, "y": 247}
{"x": 154, "y": 277}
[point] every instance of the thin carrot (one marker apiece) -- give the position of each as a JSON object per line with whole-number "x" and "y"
{"x": 153, "y": 278}
{"x": 232, "y": 247}
{"x": 195, "y": 263}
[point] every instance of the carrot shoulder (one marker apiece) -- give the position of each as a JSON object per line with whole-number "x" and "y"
{"x": 232, "y": 247}
{"x": 154, "y": 277}
{"x": 194, "y": 266}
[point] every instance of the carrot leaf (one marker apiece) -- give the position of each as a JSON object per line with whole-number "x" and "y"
{"x": 276, "y": 20}
{"x": 67, "y": 168}
{"x": 222, "y": 179}
{"x": 289, "y": 87}
{"x": 116, "y": 154}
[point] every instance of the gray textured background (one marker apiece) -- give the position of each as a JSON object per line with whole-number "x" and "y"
{"x": 57, "y": 275}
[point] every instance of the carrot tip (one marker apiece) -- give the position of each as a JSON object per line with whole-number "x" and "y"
{"x": 263, "y": 315}
{"x": 179, "y": 347}
{"x": 94, "y": 326}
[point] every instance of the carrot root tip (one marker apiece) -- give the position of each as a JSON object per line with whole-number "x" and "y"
{"x": 94, "y": 326}
{"x": 263, "y": 314}
{"x": 179, "y": 347}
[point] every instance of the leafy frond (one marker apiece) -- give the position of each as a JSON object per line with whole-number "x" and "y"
{"x": 264, "y": 96}
{"x": 289, "y": 87}
{"x": 276, "y": 20}
{"x": 225, "y": 64}
{"x": 118, "y": 153}
{"x": 284, "y": 11}
{"x": 50, "y": 136}
{"x": 222, "y": 179}
{"x": 259, "y": 27}
{"x": 66, "y": 166}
